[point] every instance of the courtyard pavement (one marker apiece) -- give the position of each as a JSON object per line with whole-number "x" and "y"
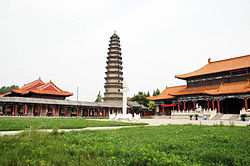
{"x": 151, "y": 122}
{"x": 167, "y": 121}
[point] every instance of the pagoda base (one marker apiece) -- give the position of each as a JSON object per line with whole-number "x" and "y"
{"x": 122, "y": 117}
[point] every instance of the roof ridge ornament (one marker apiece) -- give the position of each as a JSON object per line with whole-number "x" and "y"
{"x": 209, "y": 60}
{"x": 221, "y": 84}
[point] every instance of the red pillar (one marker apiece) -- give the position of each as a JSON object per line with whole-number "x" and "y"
{"x": 155, "y": 110}
{"x": 23, "y": 109}
{"x": 178, "y": 105}
{"x": 88, "y": 111}
{"x": 39, "y": 110}
{"x": 6, "y": 109}
{"x": 163, "y": 113}
{"x": 98, "y": 114}
{"x": 103, "y": 112}
{"x": 218, "y": 104}
{"x": 207, "y": 104}
{"x": 53, "y": 110}
{"x": 65, "y": 111}
{"x": 194, "y": 105}
{"x": 213, "y": 104}
{"x": 246, "y": 104}
{"x": 77, "y": 112}
{"x": 184, "y": 105}
{"x": 15, "y": 109}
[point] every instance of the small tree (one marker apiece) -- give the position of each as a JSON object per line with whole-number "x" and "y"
{"x": 148, "y": 94}
{"x": 151, "y": 106}
{"x": 99, "y": 98}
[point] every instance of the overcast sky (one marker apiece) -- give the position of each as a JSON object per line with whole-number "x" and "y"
{"x": 66, "y": 41}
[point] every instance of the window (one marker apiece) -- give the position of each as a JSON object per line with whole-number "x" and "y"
{"x": 239, "y": 72}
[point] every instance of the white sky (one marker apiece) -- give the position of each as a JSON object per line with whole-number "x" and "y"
{"x": 67, "y": 40}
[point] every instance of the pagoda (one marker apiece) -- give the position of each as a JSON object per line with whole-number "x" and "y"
{"x": 113, "y": 86}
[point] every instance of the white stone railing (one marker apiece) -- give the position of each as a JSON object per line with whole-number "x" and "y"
{"x": 209, "y": 113}
{"x": 244, "y": 111}
{"x": 137, "y": 116}
{"x": 213, "y": 113}
{"x": 112, "y": 116}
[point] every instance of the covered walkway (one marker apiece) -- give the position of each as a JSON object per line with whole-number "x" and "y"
{"x": 23, "y": 106}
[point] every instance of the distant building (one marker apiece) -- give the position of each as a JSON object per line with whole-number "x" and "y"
{"x": 46, "y": 99}
{"x": 39, "y": 89}
{"x": 222, "y": 85}
{"x": 113, "y": 86}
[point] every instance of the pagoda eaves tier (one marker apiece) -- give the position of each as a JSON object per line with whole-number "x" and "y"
{"x": 39, "y": 89}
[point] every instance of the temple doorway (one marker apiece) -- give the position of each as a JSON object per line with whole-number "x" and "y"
{"x": 232, "y": 106}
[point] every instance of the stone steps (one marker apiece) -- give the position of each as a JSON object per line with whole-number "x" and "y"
{"x": 234, "y": 117}
{"x": 161, "y": 117}
{"x": 231, "y": 117}
{"x": 217, "y": 116}
{"x": 226, "y": 116}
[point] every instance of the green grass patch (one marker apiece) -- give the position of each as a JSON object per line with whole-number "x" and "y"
{"x": 10, "y": 124}
{"x": 163, "y": 145}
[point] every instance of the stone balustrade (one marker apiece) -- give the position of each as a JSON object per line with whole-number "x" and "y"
{"x": 244, "y": 111}
{"x": 209, "y": 113}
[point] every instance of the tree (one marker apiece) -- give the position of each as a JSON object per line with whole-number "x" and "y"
{"x": 99, "y": 98}
{"x": 151, "y": 106}
{"x": 6, "y": 89}
{"x": 156, "y": 92}
{"x": 141, "y": 98}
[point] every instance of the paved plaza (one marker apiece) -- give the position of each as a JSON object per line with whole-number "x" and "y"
{"x": 167, "y": 121}
{"x": 157, "y": 122}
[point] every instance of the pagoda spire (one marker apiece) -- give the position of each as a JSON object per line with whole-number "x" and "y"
{"x": 113, "y": 85}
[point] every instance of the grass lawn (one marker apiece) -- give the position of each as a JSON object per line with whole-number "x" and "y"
{"x": 8, "y": 124}
{"x": 163, "y": 145}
